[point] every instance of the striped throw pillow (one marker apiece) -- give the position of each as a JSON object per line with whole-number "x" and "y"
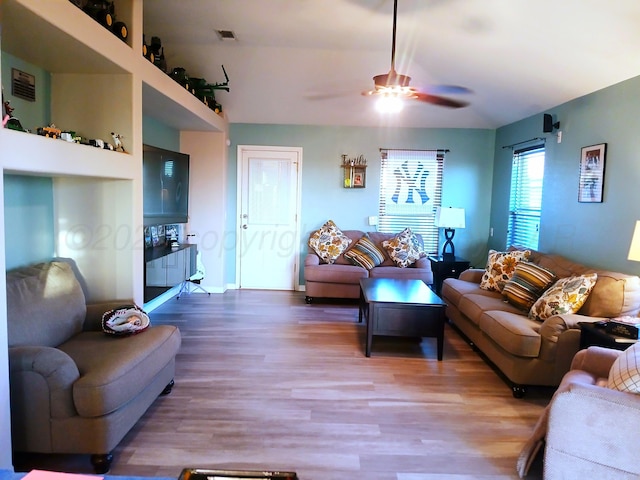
{"x": 528, "y": 282}
{"x": 365, "y": 253}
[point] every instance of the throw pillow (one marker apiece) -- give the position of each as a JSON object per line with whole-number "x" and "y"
{"x": 365, "y": 253}
{"x": 404, "y": 249}
{"x": 125, "y": 320}
{"x": 565, "y": 296}
{"x": 625, "y": 371}
{"x": 329, "y": 242}
{"x": 500, "y": 268}
{"x": 526, "y": 285}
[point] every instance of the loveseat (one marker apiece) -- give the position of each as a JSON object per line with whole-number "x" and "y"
{"x": 341, "y": 278}
{"x": 534, "y": 351}
{"x": 75, "y": 389}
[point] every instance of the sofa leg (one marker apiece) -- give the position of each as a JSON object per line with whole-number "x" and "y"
{"x": 308, "y": 300}
{"x": 519, "y": 391}
{"x": 168, "y": 388}
{"x": 101, "y": 462}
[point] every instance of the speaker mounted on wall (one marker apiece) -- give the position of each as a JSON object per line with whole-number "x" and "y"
{"x": 548, "y": 125}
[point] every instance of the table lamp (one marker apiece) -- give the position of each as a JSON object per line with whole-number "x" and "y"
{"x": 634, "y": 249}
{"x": 450, "y": 218}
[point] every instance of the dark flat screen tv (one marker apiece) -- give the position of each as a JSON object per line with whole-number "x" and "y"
{"x": 165, "y": 186}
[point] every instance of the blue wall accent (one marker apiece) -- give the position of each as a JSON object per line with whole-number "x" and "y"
{"x": 596, "y": 234}
{"x": 28, "y": 217}
{"x": 159, "y": 135}
{"x": 467, "y": 176}
{"x": 31, "y": 114}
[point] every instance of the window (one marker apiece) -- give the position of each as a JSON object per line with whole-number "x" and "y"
{"x": 410, "y": 191}
{"x": 525, "y": 202}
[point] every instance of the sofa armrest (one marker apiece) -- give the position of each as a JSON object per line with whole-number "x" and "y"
{"x": 593, "y": 432}
{"x": 595, "y": 360}
{"x": 93, "y": 319}
{"x": 423, "y": 263}
{"x": 311, "y": 259}
{"x": 554, "y": 326}
{"x": 37, "y": 372}
{"x": 472, "y": 275}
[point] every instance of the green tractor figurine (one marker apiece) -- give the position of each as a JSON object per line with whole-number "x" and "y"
{"x": 206, "y": 91}
{"x": 103, "y": 12}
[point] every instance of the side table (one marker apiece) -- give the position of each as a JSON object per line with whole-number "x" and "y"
{"x": 443, "y": 267}
{"x": 595, "y": 335}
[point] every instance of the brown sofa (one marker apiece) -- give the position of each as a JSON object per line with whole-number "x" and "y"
{"x": 526, "y": 351}
{"x": 73, "y": 388}
{"x": 342, "y": 279}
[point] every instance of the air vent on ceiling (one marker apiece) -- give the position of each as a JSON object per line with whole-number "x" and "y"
{"x": 226, "y": 35}
{"x": 23, "y": 85}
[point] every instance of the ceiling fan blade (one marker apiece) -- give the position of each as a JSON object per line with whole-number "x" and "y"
{"x": 438, "y": 100}
{"x": 446, "y": 90}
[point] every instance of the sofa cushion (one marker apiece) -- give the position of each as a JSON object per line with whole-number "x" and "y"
{"x": 613, "y": 295}
{"x": 411, "y": 273}
{"x": 453, "y": 289}
{"x": 567, "y": 295}
{"x": 45, "y": 305}
{"x": 500, "y": 268}
{"x": 514, "y": 332}
{"x": 404, "y": 249}
{"x": 625, "y": 371}
{"x": 365, "y": 253}
{"x": 335, "y": 273}
{"x": 328, "y": 242}
{"x": 114, "y": 370}
{"x": 526, "y": 285}
{"x": 474, "y": 305}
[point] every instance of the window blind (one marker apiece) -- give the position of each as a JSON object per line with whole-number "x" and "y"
{"x": 410, "y": 191}
{"x": 525, "y": 204}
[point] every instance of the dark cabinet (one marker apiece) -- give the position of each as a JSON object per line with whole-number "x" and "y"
{"x": 446, "y": 268}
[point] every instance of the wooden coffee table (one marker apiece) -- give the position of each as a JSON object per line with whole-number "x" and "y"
{"x": 401, "y": 308}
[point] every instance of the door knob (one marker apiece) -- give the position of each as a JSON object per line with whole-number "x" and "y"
{"x": 245, "y": 226}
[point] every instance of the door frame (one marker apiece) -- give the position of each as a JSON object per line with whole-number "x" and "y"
{"x": 239, "y": 183}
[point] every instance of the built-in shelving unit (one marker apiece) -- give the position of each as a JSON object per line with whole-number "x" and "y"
{"x": 99, "y": 85}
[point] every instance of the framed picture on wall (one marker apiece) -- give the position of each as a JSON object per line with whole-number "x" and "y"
{"x": 592, "y": 166}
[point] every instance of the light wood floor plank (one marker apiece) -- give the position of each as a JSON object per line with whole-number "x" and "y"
{"x": 265, "y": 381}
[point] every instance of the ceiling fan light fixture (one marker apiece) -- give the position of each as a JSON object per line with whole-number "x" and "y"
{"x": 389, "y": 103}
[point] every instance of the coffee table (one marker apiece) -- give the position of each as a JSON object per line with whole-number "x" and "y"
{"x": 404, "y": 308}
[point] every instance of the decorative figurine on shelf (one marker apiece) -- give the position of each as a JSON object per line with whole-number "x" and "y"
{"x": 8, "y": 120}
{"x": 117, "y": 140}
{"x": 50, "y": 131}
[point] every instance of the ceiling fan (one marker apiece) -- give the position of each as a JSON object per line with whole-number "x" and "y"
{"x": 392, "y": 88}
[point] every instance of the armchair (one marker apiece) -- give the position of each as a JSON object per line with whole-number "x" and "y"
{"x": 588, "y": 430}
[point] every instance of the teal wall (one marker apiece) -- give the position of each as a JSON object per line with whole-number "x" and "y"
{"x": 596, "y": 234}
{"x": 159, "y": 135}
{"x": 28, "y": 218}
{"x": 467, "y": 176}
{"x": 31, "y": 114}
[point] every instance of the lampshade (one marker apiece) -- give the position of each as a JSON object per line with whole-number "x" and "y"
{"x": 449, "y": 217}
{"x": 634, "y": 249}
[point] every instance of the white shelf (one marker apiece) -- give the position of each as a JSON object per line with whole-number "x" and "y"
{"x": 38, "y": 155}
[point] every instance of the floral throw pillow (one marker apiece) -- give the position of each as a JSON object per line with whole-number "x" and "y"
{"x": 329, "y": 242}
{"x": 365, "y": 253}
{"x": 500, "y": 268}
{"x": 567, "y": 295}
{"x": 404, "y": 249}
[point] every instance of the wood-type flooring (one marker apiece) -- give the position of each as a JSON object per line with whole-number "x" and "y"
{"x": 265, "y": 381}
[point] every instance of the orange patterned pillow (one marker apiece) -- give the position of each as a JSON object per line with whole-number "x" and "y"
{"x": 501, "y": 267}
{"x": 329, "y": 242}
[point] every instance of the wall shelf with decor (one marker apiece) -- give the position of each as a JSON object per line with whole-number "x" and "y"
{"x": 354, "y": 171}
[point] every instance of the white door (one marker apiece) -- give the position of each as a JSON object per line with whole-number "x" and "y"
{"x": 268, "y": 245}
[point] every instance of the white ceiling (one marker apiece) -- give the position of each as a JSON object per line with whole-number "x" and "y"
{"x": 306, "y": 61}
